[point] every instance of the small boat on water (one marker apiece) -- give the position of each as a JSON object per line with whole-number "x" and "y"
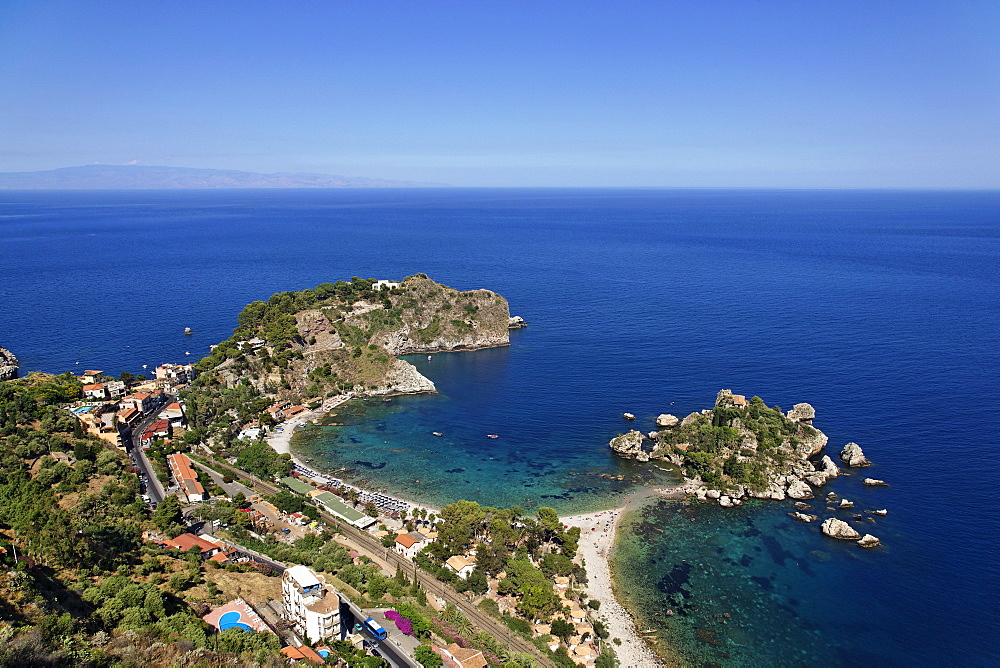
{"x": 187, "y": 330}
{"x": 437, "y": 433}
{"x": 492, "y": 435}
{"x": 387, "y": 400}
{"x": 428, "y": 357}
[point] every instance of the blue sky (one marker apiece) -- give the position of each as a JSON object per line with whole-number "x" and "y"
{"x": 750, "y": 93}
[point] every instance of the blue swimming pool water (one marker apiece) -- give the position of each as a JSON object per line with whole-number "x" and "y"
{"x": 232, "y": 620}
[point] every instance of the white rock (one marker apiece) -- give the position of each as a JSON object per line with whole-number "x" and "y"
{"x": 713, "y": 494}
{"x": 835, "y": 528}
{"x": 802, "y": 517}
{"x": 880, "y": 512}
{"x": 828, "y": 467}
{"x": 799, "y": 490}
{"x": 725, "y": 501}
{"x": 869, "y": 541}
{"x": 852, "y": 455}
{"x": 628, "y": 416}
{"x": 700, "y": 493}
{"x": 776, "y": 492}
{"x": 844, "y": 503}
{"x": 802, "y": 413}
{"x": 667, "y": 420}
{"x": 872, "y": 482}
{"x": 817, "y": 479}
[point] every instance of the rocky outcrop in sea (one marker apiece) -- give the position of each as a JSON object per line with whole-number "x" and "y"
{"x": 8, "y": 365}
{"x": 853, "y": 455}
{"x": 742, "y": 449}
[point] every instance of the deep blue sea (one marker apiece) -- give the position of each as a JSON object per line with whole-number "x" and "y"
{"x": 878, "y": 308}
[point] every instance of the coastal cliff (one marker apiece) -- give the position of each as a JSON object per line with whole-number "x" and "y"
{"x": 8, "y": 365}
{"x": 346, "y": 337}
{"x": 738, "y": 449}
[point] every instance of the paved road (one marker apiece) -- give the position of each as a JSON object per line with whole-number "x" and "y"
{"x": 387, "y": 650}
{"x": 153, "y": 486}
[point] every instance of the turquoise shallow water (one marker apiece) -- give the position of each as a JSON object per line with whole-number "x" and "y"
{"x": 879, "y": 308}
{"x": 538, "y": 459}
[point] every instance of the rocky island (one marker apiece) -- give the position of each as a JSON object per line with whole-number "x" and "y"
{"x": 738, "y": 449}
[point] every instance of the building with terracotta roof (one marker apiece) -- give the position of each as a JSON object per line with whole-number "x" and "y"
{"x": 179, "y": 373}
{"x": 90, "y": 376}
{"x": 407, "y": 545}
{"x": 186, "y": 541}
{"x": 311, "y": 606}
{"x": 95, "y": 391}
{"x": 455, "y": 656}
{"x": 302, "y": 653}
{"x": 187, "y": 479}
{"x": 461, "y": 565}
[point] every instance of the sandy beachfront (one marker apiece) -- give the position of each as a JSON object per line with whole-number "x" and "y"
{"x": 597, "y": 537}
{"x": 281, "y": 441}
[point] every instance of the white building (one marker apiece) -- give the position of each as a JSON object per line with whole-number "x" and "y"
{"x": 311, "y": 605}
{"x": 182, "y": 373}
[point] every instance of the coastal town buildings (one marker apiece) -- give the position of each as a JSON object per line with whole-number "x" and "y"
{"x": 456, "y": 656}
{"x": 90, "y": 376}
{"x": 187, "y": 479}
{"x": 177, "y": 373}
{"x": 95, "y": 391}
{"x": 461, "y": 565}
{"x": 409, "y": 544}
{"x": 311, "y": 606}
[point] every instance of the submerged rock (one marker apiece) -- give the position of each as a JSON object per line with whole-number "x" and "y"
{"x": 802, "y": 517}
{"x": 853, "y": 455}
{"x": 869, "y": 541}
{"x": 835, "y": 528}
{"x": 872, "y": 482}
{"x": 802, "y": 506}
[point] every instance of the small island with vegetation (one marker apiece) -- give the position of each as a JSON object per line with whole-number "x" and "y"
{"x": 739, "y": 448}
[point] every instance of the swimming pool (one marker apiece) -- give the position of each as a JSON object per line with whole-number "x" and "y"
{"x": 232, "y": 620}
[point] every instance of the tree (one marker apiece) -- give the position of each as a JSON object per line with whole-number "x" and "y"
{"x": 538, "y": 601}
{"x": 126, "y": 377}
{"x": 427, "y": 657}
{"x": 562, "y": 628}
{"x": 167, "y": 516}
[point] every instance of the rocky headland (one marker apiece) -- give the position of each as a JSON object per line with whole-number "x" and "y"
{"x": 347, "y": 337}
{"x": 8, "y": 365}
{"x": 741, "y": 449}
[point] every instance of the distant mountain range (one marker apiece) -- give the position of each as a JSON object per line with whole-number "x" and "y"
{"x": 114, "y": 177}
